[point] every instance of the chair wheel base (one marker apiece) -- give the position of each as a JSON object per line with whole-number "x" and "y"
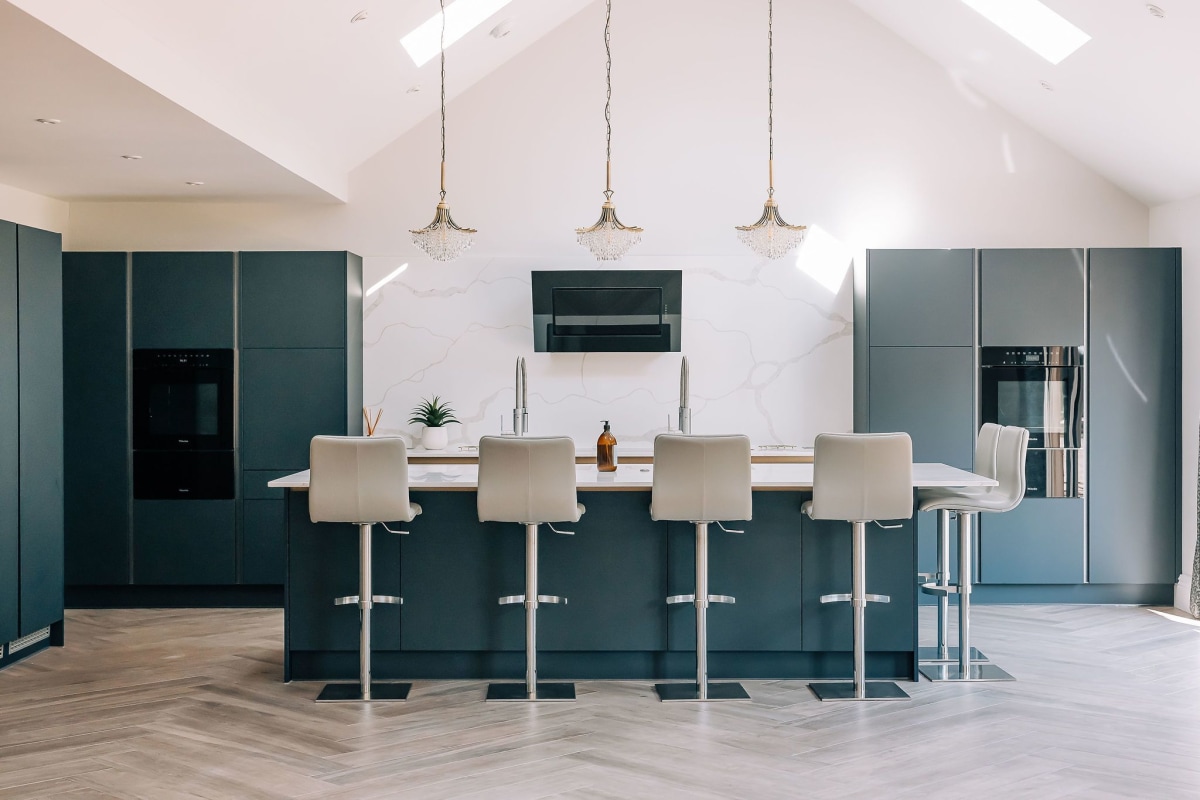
{"x": 844, "y": 690}
{"x": 352, "y": 693}
{"x": 516, "y": 692}
{"x": 950, "y": 673}
{"x": 929, "y": 655}
{"x": 674, "y": 692}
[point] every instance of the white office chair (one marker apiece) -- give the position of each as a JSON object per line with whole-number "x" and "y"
{"x": 1011, "y": 446}
{"x": 363, "y": 480}
{"x": 860, "y": 478}
{"x": 701, "y": 479}
{"x": 530, "y": 480}
{"x": 938, "y": 583}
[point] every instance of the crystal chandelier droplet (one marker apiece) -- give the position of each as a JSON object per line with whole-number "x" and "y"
{"x": 608, "y": 239}
{"x": 771, "y": 236}
{"x": 443, "y": 239}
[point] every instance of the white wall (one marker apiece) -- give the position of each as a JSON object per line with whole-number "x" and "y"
{"x": 1178, "y": 225}
{"x": 875, "y": 144}
{"x": 34, "y": 210}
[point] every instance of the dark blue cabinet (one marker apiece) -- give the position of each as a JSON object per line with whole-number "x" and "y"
{"x": 1040, "y": 541}
{"x": 296, "y": 299}
{"x": 921, "y": 298}
{"x": 31, "y": 450}
{"x": 184, "y": 542}
{"x": 1033, "y": 297}
{"x": 183, "y": 300}
{"x": 96, "y": 418}
{"x": 10, "y": 539}
{"x": 1133, "y": 416}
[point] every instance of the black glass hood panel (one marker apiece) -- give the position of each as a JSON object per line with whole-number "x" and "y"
{"x": 613, "y": 311}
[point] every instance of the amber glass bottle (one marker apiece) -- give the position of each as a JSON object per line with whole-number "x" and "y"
{"x": 606, "y": 451}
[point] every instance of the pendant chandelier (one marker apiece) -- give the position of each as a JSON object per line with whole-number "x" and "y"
{"x": 608, "y": 239}
{"x": 443, "y": 239}
{"x": 771, "y": 236}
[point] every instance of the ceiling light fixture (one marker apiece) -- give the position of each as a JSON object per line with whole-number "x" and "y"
{"x": 48, "y": 120}
{"x": 359, "y": 17}
{"x": 1034, "y": 25}
{"x": 608, "y": 239}
{"x": 391, "y": 277}
{"x": 771, "y": 236}
{"x": 1047, "y": 85}
{"x": 1155, "y": 11}
{"x": 413, "y": 89}
{"x": 443, "y": 239}
{"x": 195, "y": 183}
{"x": 132, "y": 158}
{"x": 436, "y": 34}
{"x": 502, "y": 29}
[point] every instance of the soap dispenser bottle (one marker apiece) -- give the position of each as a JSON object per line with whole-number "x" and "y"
{"x": 606, "y": 450}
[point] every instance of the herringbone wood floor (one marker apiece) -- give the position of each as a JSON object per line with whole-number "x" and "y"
{"x": 186, "y": 704}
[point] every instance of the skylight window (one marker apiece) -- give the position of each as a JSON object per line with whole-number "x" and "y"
{"x": 462, "y": 17}
{"x": 1034, "y": 25}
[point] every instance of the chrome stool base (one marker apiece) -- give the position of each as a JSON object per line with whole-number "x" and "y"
{"x": 352, "y": 693}
{"x": 845, "y": 690}
{"x": 930, "y": 655}
{"x": 673, "y": 692}
{"x": 546, "y": 692}
{"x": 950, "y": 673}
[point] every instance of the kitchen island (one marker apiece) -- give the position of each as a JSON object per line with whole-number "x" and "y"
{"x": 616, "y": 570}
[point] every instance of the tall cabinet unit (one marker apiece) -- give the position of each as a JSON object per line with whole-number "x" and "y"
{"x": 300, "y": 339}
{"x": 31, "y": 447}
{"x": 915, "y": 358}
{"x": 1133, "y": 416}
{"x": 96, "y": 419}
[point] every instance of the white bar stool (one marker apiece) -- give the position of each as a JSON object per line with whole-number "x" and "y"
{"x": 938, "y": 583}
{"x": 1011, "y": 446}
{"x": 530, "y": 480}
{"x": 363, "y": 480}
{"x": 860, "y": 478}
{"x": 701, "y": 479}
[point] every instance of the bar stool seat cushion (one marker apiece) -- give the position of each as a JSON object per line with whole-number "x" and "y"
{"x": 359, "y": 479}
{"x": 1011, "y": 447}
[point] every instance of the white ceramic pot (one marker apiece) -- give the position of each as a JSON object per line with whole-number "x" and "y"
{"x": 435, "y": 438}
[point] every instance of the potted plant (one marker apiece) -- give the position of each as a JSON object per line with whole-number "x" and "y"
{"x": 434, "y": 415}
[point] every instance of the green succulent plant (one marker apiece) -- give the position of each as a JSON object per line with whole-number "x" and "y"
{"x": 433, "y": 413}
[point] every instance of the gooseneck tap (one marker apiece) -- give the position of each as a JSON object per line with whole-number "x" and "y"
{"x": 685, "y": 411}
{"x": 521, "y": 400}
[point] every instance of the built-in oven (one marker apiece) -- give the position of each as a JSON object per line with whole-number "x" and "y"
{"x": 183, "y": 424}
{"x": 1040, "y": 389}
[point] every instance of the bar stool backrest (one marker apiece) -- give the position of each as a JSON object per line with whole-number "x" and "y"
{"x": 985, "y": 449}
{"x": 862, "y": 476}
{"x": 358, "y": 479}
{"x": 527, "y": 479}
{"x": 701, "y": 478}
{"x": 1011, "y": 449}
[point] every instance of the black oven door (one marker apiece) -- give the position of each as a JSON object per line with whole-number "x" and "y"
{"x": 183, "y": 400}
{"x": 1048, "y": 401}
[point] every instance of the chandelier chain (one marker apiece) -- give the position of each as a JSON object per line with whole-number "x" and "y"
{"x": 443, "y": 52}
{"x": 608, "y": 192}
{"x": 771, "y": 91}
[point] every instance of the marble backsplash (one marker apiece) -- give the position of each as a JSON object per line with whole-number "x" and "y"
{"x": 770, "y": 351}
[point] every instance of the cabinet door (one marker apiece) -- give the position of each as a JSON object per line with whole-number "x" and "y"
{"x": 9, "y": 448}
{"x": 1031, "y": 297}
{"x": 39, "y": 297}
{"x": 183, "y": 300}
{"x": 1134, "y": 416}
{"x": 264, "y": 529}
{"x": 288, "y": 397}
{"x": 921, "y": 297}
{"x": 183, "y": 542}
{"x": 928, "y": 392}
{"x": 292, "y": 300}
{"x": 1039, "y": 541}
{"x": 96, "y": 419}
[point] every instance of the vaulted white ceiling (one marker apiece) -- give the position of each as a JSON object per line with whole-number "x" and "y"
{"x": 281, "y": 99}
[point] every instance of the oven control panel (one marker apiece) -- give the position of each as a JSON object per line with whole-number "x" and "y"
{"x": 1052, "y": 356}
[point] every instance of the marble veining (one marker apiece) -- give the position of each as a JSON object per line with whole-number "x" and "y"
{"x": 770, "y": 350}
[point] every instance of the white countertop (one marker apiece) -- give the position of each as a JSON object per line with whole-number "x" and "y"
{"x": 635, "y": 477}
{"x": 588, "y": 450}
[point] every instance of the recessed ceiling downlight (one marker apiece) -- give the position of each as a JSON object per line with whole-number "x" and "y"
{"x": 132, "y": 158}
{"x": 413, "y": 89}
{"x": 360, "y": 16}
{"x": 195, "y": 183}
{"x": 48, "y": 120}
{"x": 1155, "y": 11}
{"x": 1047, "y": 85}
{"x": 504, "y": 28}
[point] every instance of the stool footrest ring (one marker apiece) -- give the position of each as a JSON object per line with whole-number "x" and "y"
{"x": 721, "y": 598}
{"x": 511, "y": 599}
{"x": 551, "y": 598}
{"x": 681, "y": 598}
{"x": 349, "y": 599}
{"x": 388, "y": 599}
{"x": 835, "y": 598}
{"x": 846, "y": 598}
{"x": 938, "y": 589}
